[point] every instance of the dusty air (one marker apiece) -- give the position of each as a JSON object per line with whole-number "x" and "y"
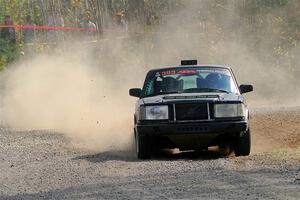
{"x": 153, "y": 99}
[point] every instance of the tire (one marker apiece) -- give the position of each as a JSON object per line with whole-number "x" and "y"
{"x": 242, "y": 146}
{"x": 226, "y": 150}
{"x": 143, "y": 146}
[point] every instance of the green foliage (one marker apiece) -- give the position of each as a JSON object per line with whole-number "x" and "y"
{"x": 265, "y": 20}
{"x": 8, "y": 53}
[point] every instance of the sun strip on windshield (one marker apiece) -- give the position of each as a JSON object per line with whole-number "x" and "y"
{"x": 190, "y": 72}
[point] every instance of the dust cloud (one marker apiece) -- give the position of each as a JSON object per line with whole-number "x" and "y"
{"x": 220, "y": 35}
{"x": 71, "y": 96}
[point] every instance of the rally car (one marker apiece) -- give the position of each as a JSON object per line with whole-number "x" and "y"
{"x": 191, "y": 107}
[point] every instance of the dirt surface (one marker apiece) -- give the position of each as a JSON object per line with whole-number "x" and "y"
{"x": 44, "y": 165}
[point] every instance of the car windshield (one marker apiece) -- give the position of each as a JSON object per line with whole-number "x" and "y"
{"x": 189, "y": 80}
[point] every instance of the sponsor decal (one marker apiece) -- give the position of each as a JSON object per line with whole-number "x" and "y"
{"x": 187, "y": 71}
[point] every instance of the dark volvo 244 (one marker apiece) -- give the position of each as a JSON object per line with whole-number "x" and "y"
{"x": 191, "y": 107}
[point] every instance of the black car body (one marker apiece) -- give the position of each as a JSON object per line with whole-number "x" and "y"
{"x": 191, "y": 107}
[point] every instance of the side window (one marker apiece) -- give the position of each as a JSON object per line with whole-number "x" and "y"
{"x": 232, "y": 86}
{"x": 149, "y": 87}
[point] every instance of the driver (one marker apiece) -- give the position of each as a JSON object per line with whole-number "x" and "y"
{"x": 213, "y": 81}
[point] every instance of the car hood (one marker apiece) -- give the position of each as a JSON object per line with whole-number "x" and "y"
{"x": 193, "y": 97}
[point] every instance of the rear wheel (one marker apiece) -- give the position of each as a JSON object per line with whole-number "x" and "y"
{"x": 143, "y": 146}
{"x": 242, "y": 146}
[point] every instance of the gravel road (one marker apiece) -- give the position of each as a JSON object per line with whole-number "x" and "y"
{"x": 45, "y": 165}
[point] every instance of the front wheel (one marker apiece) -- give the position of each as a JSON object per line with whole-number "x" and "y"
{"x": 143, "y": 146}
{"x": 242, "y": 146}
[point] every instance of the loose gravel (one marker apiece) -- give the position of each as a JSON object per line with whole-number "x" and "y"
{"x": 43, "y": 164}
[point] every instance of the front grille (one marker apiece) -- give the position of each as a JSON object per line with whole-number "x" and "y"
{"x": 197, "y": 111}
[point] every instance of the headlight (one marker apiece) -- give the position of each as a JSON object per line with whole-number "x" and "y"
{"x": 229, "y": 110}
{"x": 155, "y": 113}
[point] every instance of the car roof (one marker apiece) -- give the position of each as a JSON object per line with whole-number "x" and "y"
{"x": 189, "y": 66}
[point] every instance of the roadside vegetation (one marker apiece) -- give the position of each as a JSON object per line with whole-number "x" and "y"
{"x": 262, "y": 21}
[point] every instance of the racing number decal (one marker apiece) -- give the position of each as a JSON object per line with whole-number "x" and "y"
{"x": 169, "y": 72}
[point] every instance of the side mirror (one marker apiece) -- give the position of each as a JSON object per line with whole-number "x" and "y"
{"x": 246, "y": 88}
{"x": 135, "y": 92}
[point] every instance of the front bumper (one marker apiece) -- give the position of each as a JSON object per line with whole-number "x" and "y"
{"x": 199, "y": 128}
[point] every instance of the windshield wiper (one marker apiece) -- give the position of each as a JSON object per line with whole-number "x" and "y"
{"x": 162, "y": 93}
{"x": 191, "y": 90}
{"x": 219, "y": 90}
